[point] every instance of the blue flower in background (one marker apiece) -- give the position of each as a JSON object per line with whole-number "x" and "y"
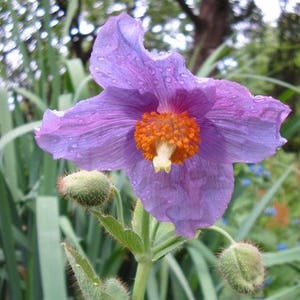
{"x": 281, "y": 246}
{"x": 270, "y": 211}
{"x": 245, "y": 182}
{"x": 268, "y": 281}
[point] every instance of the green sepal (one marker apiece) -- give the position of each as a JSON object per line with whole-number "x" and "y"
{"x": 88, "y": 281}
{"x": 114, "y": 290}
{"x": 91, "y": 287}
{"x": 126, "y": 236}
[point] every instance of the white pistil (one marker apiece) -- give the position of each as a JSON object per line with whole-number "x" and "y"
{"x": 161, "y": 161}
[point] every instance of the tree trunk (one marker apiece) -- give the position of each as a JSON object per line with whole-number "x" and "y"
{"x": 210, "y": 30}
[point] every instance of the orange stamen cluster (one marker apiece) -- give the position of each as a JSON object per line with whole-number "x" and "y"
{"x": 177, "y": 130}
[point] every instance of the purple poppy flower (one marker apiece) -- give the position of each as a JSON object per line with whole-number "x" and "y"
{"x": 175, "y": 135}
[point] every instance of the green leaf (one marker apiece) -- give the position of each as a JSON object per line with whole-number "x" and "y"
{"x": 17, "y": 132}
{"x": 127, "y": 237}
{"x": 68, "y": 231}
{"x": 50, "y": 256}
{"x": 65, "y": 101}
{"x": 180, "y": 276}
{"x": 10, "y": 164}
{"x": 91, "y": 286}
{"x": 33, "y": 98}
{"x": 71, "y": 11}
{"x": 261, "y": 205}
{"x": 282, "y": 257}
{"x": 210, "y": 63}
{"x": 7, "y": 243}
{"x": 88, "y": 281}
{"x": 270, "y": 79}
{"x": 287, "y": 293}
{"x": 203, "y": 274}
{"x": 78, "y": 77}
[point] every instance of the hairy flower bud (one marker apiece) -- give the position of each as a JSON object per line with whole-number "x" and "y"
{"x": 241, "y": 265}
{"x": 87, "y": 188}
{"x": 116, "y": 289}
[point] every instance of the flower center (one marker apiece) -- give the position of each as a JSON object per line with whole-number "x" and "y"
{"x": 167, "y": 138}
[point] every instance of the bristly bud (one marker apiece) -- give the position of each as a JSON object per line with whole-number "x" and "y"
{"x": 242, "y": 266}
{"x": 87, "y": 188}
{"x": 116, "y": 289}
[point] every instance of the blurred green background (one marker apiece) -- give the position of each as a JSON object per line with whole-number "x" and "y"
{"x": 44, "y": 57}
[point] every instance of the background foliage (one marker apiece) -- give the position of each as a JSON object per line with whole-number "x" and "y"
{"x": 44, "y": 52}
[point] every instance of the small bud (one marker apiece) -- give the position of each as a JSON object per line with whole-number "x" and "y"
{"x": 241, "y": 265}
{"x": 88, "y": 189}
{"x": 116, "y": 289}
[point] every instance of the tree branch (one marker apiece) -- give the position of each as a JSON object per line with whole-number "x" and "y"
{"x": 194, "y": 18}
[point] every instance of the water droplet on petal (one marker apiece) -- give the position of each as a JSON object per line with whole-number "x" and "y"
{"x": 168, "y": 79}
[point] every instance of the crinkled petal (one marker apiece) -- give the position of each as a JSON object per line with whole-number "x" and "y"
{"x": 97, "y": 133}
{"x": 120, "y": 59}
{"x": 196, "y": 102}
{"x": 193, "y": 195}
{"x": 241, "y": 127}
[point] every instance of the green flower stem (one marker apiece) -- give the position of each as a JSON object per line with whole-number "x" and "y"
{"x": 145, "y": 264}
{"x": 141, "y": 278}
{"x": 223, "y": 232}
{"x": 120, "y": 214}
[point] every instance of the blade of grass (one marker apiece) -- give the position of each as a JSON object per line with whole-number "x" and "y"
{"x": 210, "y": 63}
{"x": 282, "y": 257}
{"x": 164, "y": 278}
{"x": 180, "y": 276}
{"x": 287, "y": 293}
{"x": 9, "y": 165}
{"x": 17, "y": 132}
{"x": 271, "y": 80}
{"x": 7, "y": 241}
{"x": 152, "y": 288}
{"x": 204, "y": 278}
{"x": 33, "y": 98}
{"x": 68, "y": 231}
{"x": 71, "y": 11}
{"x": 261, "y": 205}
{"x": 52, "y": 56}
{"x": 50, "y": 252}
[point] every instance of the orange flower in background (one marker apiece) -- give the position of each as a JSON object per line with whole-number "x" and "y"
{"x": 281, "y": 217}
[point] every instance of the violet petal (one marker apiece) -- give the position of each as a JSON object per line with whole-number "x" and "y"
{"x": 97, "y": 133}
{"x": 120, "y": 59}
{"x": 241, "y": 127}
{"x": 193, "y": 195}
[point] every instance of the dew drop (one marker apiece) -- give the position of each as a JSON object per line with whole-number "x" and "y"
{"x": 168, "y": 79}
